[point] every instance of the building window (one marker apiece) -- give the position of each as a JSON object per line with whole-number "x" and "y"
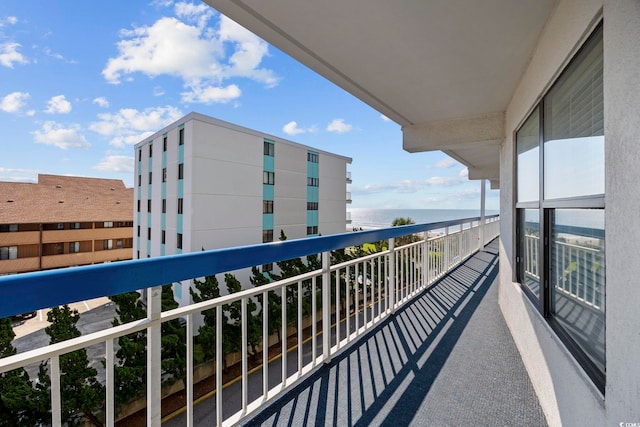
{"x": 181, "y": 171}
{"x": 108, "y": 224}
{"x": 150, "y": 177}
{"x": 107, "y": 244}
{"x": 164, "y": 174}
{"x": 74, "y": 247}
{"x": 163, "y": 237}
{"x": 179, "y": 241}
{"x": 8, "y": 252}
{"x": 119, "y": 244}
{"x": 138, "y": 205}
{"x": 164, "y": 205}
{"x": 149, "y": 205}
{"x": 313, "y": 182}
{"x": 150, "y": 150}
{"x": 148, "y": 233}
{"x": 181, "y": 137}
{"x": 312, "y": 157}
{"x": 74, "y": 226}
{"x": 560, "y": 253}
{"x": 164, "y": 143}
{"x": 8, "y": 228}
{"x": 180, "y": 205}
{"x": 138, "y": 231}
{"x": 269, "y": 148}
{"x": 312, "y": 230}
{"x": 267, "y": 267}
{"x": 60, "y": 226}
{"x": 140, "y": 155}
{"x": 267, "y": 236}
{"x": 268, "y": 178}
{"x": 139, "y": 180}
{"x": 267, "y": 206}
{"x": 312, "y": 206}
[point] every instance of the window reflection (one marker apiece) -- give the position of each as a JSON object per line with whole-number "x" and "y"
{"x": 578, "y": 277}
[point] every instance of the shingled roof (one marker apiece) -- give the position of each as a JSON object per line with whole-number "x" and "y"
{"x": 56, "y": 198}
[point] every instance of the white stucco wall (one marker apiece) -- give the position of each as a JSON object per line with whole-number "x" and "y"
{"x": 566, "y": 394}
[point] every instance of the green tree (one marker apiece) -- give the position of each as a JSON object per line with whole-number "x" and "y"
{"x": 173, "y": 341}
{"x": 130, "y": 369}
{"x": 206, "y": 290}
{"x": 274, "y": 307}
{"x": 17, "y": 406}
{"x": 404, "y": 240}
{"x": 82, "y": 395}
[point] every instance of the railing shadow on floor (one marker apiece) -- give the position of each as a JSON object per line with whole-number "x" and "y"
{"x": 390, "y": 369}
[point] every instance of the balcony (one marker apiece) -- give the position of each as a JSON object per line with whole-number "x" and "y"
{"x": 389, "y": 324}
{"x": 348, "y": 217}
{"x": 349, "y": 197}
{"x": 349, "y": 178}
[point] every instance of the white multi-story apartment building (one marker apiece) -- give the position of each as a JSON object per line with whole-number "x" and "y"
{"x": 202, "y": 183}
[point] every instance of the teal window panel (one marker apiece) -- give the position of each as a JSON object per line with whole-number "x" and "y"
{"x": 267, "y": 221}
{"x": 312, "y": 194}
{"x": 268, "y": 192}
{"x": 162, "y": 249}
{"x": 164, "y": 190}
{"x": 177, "y": 291}
{"x": 148, "y": 220}
{"x": 179, "y": 223}
{"x": 178, "y": 251}
{"x": 313, "y": 170}
{"x": 163, "y": 221}
{"x": 312, "y": 218}
{"x": 181, "y": 189}
{"x": 164, "y": 159}
{"x": 181, "y": 154}
{"x": 269, "y": 163}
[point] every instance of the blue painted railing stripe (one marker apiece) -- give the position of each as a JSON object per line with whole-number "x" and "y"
{"x": 27, "y": 292}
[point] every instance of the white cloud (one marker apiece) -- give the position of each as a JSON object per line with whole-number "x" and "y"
{"x": 446, "y": 163}
{"x": 14, "y": 102}
{"x": 58, "y": 105}
{"x": 292, "y": 128}
{"x": 17, "y": 175}
{"x": 130, "y": 126}
{"x": 385, "y": 118}
{"x": 202, "y": 56}
{"x": 339, "y": 126}
{"x": 116, "y": 164}
{"x": 409, "y": 185}
{"x": 158, "y": 91}
{"x": 101, "y": 101}
{"x": 464, "y": 173}
{"x": 9, "y": 55}
{"x": 11, "y": 20}
{"x": 211, "y": 94}
{"x": 55, "y": 134}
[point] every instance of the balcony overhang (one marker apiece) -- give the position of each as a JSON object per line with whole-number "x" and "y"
{"x": 423, "y": 64}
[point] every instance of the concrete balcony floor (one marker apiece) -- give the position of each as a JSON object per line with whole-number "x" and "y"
{"x": 447, "y": 358}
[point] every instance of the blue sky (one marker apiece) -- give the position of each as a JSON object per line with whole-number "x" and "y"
{"x": 82, "y": 82}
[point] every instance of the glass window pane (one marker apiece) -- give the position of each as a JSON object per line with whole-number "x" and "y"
{"x": 529, "y": 274}
{"x": 578, "y": 277}
{"x": 528, "y": 148}
{"x": 574, "y": 127}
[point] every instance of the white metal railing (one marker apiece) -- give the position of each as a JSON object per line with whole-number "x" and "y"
{"x": 578, "y": 269}
{"x": 355, "y": 296}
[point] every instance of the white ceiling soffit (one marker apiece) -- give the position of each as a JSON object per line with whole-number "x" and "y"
{"x": 422, "y": 63}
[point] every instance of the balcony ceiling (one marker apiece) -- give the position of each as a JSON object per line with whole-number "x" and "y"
{"x": 445, "y": 70}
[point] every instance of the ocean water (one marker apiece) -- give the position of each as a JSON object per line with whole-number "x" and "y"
{"x": 381, "y": 218}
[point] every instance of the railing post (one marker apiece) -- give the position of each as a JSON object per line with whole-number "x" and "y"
{"x": 425, "y": 259}
{"x": 446, "y": 250}
{"x": 392, "y": 275}
{"x": 326, "y": 308}
{"x": 154, "y": 371}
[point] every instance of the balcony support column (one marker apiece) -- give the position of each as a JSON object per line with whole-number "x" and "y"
{"x": 154, "y": 357}
{"x": 326, "y": 308}
{"x": 483, "y": 187}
